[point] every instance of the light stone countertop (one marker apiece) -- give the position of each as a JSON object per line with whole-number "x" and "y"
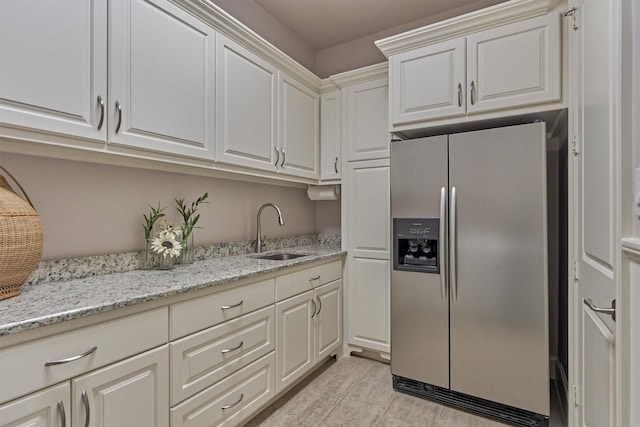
{"x": 54, "y": 302}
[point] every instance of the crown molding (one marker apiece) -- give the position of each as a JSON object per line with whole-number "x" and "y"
{"x": 361, "y": 75}
{"x": 226, "y": 24}
{"x": 493, "y": 16}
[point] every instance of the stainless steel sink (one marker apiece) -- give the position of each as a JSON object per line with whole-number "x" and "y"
{"x": 281, "y": 257}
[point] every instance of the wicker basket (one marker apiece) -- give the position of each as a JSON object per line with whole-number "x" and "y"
{"x": 21, "y": 239}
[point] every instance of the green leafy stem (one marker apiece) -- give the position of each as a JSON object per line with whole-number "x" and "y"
{"x": 189, "y": 215}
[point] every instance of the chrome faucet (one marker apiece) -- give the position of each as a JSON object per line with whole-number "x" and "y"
{"x": 259, "y": 233}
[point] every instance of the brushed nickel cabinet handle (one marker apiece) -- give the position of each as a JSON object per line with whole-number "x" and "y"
{"x": 101, "y": 103}
{"x": 71, "y": 359}
{"x": 319, "y": 305}
{"x": 335, "y": 165}
{"x": 119, "y": 108}
{"x": 473, "y": 92}
{"x": 87, "y": 410}
{"x": 609, "y": 311}
{"x": 284, "y": 157}
{"x": 459, "y": 94}
{"x": 227, "y": 307}
{"x": 315, "y": 278}
{"x": 315, "y": 307}
{"x": 229, "y": 350}
{"x": 234, "y": 403}
{"x": 63, "y": 417}
{"x": 277, "y": 156}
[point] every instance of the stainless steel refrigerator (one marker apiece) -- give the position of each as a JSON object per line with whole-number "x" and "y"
{"x": 469, "y": 299}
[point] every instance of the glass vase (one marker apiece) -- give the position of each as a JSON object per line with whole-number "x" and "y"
{"x": 165, "y": 262}
{"x": 186, "y": 255}
{"x": 146, "y": 256}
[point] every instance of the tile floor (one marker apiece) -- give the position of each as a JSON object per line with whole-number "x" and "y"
{"x": 355, "y": 391}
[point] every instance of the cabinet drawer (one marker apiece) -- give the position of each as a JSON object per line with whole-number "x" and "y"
{"x": 305, "y": 280}
{"x": 242, "y": 394}
{"x": 23, "y": 365}
{"x": 200, "y": 313}
{"x": 204, "y": 358}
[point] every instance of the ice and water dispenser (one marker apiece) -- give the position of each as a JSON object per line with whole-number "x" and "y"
{"x": 415, "y": 244}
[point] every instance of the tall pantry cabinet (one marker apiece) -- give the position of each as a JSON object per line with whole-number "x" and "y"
{"x": 366, "y": 207}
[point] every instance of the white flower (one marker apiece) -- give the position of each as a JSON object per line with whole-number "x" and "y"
{"x": 166, "y": 244}
{"x": 168, "y": 227}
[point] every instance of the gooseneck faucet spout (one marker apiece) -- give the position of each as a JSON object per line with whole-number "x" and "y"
{"x": 259, "y": 232}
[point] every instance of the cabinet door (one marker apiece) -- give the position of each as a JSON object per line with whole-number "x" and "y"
{"x": 294, "y": 339}
{"x": 328, "y": 319}
{"x": 299, "y": 129}
{"x": 514, "y": 65}
{"x": 428, "y": 83}
{"x": 330, "y": 135}
{"x": 54, "y": 66}
{"x": 369, "y": 303}
{"x": 246, "y": 90}
{"x": 130, "y": 393}
{"x": 161, "y": 95}
{"x": 47, "y": 408}
{"x": 365, "y": 118}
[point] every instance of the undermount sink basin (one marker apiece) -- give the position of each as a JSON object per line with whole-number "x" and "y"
{"x": 281, "y": 257}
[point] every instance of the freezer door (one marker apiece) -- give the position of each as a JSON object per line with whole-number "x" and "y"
{"x": 419, "y": 301}
{"x": 499, "y": 326}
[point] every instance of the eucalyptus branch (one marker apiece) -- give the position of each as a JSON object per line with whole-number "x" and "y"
{"x": 189, "y": 215}
{"x": 149, "y": 221}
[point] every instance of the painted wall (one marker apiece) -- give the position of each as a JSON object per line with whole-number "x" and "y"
{"x": 91, "y": 209}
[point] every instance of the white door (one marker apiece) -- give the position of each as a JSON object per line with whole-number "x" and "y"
{"x": 246, "y": 95}
{"x": 130, "y": 393}
{"x": 428, "y": 83}
{"x": 328, "y": 334}
{"x": 50, "y": 407}
{"x": 54, "y": 66}
{"x": 161, "y": 79}
{"x": 299, "y": 128}
{"x": 596, "y": 192}
{"x": 368, "y": 207}
{"x": 294, "y": 339}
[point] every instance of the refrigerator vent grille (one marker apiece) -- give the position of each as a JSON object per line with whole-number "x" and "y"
{"x": 483, "y": 407}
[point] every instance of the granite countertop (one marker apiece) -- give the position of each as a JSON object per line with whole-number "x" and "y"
{"x": 54, "y": 302}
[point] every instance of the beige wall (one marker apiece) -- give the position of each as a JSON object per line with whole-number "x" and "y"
{"x": 90, "y": 209}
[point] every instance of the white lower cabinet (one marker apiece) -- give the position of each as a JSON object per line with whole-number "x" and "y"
{"x": 130, "y": 393}
{"x": 230, "y": 401}
{"x": 50, "y": 407}
{"x": 308, "y": 329}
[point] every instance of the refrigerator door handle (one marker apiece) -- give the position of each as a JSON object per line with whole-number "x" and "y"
{"x": 452, "y": 247}
{"x": 442, "y": 253}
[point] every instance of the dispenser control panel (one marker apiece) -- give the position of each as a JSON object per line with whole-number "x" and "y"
{"x": 415, "y": 244}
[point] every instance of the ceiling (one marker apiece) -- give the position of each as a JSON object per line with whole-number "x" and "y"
{"x": 325, "y": 23}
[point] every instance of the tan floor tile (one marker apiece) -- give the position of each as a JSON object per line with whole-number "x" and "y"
{"x": 334, "y": 384}
{"x": 371, "y": 397}
{"x": 307, "y": 408}
{"x": 409, "y": 410}
{"x": 380, "y": 374}
{"x": 352, "y": 416}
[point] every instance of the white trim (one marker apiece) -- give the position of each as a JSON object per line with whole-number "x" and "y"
{"x": 361, "y": 75}
{"x": 493, "y": 16}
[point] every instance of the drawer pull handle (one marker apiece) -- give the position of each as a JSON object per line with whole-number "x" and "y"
{"x": 227, "y": 307}
{"x": 234, "y": 403}
{"x": 315, "y": 308}
{"x": 319, "y": 305}
{"x": 229, "y": 350}
{"x": 71, "y": 359}
{"x": 314, "y": 278}
{"x": 87, "y": 410}
{"x": 63, "y": 417}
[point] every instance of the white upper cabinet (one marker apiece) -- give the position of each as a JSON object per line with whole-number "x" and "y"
{"x": 162, "y": 92}
{"x": 330, "y": 136}
{"x": 299, "y": 128}
{"x": 428, "y": 82}
{"x": 246, "y": 126}
{"x": 54, "y": 66}
{"x": 450, "y": 73}
{"x": 514, "y": 65}
{"x": 365, "y": 117}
